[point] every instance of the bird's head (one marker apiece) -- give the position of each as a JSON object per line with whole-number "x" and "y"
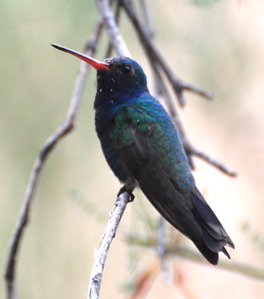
{"x": 117, "y": 77}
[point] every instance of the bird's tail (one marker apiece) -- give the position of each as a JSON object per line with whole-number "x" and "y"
{"x": 213, "y": 234}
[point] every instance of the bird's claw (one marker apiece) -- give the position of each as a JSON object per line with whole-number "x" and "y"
{"x": 131, "y": 196}
{"x": 130, "y": 192}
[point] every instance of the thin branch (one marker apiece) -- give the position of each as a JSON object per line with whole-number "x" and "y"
{"x": 111, "y": 28}
{"x": 171, "y": 249}
{"x": 162, "y": 252}
{"x": 106, "y": 239}
{"x": 25, "y": 210}
{"x": 117, "y": 19}
{"x": 239, "y": 268}
{"x": 46, "y": 149}
{"x": 154, "y": 55}
{"x": 192, "y": 151}
{"x": 148, "y": 20}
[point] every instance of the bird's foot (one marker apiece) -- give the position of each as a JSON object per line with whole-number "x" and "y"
{"x": 129, "y": 191}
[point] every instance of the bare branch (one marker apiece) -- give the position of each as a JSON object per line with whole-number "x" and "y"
{"x": 111, "y": 28}
{"x": 190, "y": 150}
{"x": 161, "y": 251}
{"x": 106, "y": 239}
{"x": 186, "y": 252}
{"x": 25, "y": 209}
{"x": 147, "y": 17}
{"x": 46, "y": 149}
{"x": 117, "y": 19}
{"x": 240, "y": 268}
{"x": 154, "y": 55}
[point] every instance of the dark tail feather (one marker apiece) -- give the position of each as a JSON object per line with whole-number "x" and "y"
{"x": 212, "y": 257}
{"x": 213, "y": 233}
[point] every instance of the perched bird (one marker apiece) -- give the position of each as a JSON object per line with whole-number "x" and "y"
{"x": 143, "y": 149}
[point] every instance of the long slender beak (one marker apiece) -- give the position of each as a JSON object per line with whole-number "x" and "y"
{"x": 98, "y": 65}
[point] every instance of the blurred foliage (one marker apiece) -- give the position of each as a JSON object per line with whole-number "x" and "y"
{"x": 89, "y": 207}
{"x": 203, "y": 2}
{"x": 255, "y": 237}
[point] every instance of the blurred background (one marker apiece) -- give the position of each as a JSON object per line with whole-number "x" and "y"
{"x": 216, "y": 45}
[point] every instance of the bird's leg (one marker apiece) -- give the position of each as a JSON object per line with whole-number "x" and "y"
{"x": 129, "y": 191}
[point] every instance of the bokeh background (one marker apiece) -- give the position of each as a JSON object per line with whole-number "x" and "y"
{"x": 216, "y": 45}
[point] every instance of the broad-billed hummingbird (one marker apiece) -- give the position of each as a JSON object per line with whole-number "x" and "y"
{"x": 143, "y": 149}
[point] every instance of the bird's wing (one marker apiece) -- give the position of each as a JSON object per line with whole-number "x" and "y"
{"x": 153, "y": 156}
{"x": 142, "y": 162}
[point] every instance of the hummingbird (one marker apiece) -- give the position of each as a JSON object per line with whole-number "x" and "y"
{"x": 143, "y": 149}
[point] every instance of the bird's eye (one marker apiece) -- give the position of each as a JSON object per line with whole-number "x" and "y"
{"x": 126, "y": 69}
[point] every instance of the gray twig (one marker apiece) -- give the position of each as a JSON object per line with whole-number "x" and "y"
{"x": 117, "y": 19}
{"x": 111, "y": 28}
{"x": 106, "y": 239}
{"x": 239, "y": 268}
{"x": 190, "y": 254}
{"x": 154, "y": 55}
{"x": 190, "y": 150}
{"x": 162, "y": 252}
